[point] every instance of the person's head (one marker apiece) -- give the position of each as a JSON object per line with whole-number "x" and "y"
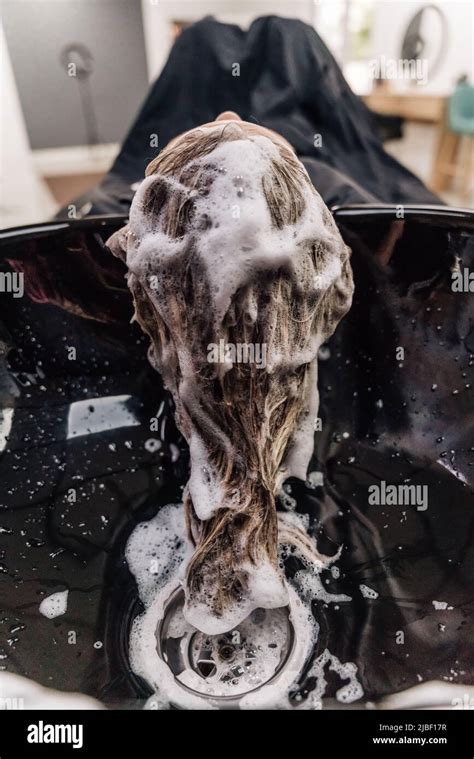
{"x": 238, "y": 274}
{"x": 230, "y": 117}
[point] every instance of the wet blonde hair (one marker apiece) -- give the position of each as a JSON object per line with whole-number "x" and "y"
{"x": 256, "y": 409}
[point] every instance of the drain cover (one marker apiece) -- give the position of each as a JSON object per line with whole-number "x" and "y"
{"x": 225, "y": 666}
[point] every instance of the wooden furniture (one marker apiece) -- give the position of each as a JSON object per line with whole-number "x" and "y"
{"x": 428, "y": 109}
{"x": 412, "y": 107}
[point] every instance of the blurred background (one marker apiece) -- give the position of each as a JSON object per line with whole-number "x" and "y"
{"x": 75, "y": 72}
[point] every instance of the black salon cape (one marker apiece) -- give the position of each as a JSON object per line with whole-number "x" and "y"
{"x": 287, "y": 81}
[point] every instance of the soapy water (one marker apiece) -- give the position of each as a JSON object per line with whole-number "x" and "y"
{"x": 260, "y": 663}
{"x": 242, "y": 658}
{"x": 227, "y": 665}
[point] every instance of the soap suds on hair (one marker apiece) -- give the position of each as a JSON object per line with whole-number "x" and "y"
{"x": 228, "y": 240}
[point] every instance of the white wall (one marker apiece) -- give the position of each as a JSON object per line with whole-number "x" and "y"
{"x": 391, "y": 18}
{"x": 24, "y": 198}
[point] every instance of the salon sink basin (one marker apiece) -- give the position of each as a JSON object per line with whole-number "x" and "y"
{"x": 89, "y": 449}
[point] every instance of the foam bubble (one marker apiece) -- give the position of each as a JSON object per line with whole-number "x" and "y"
{"x": 266, "y": 589}
{"x": 351, "y": 691}
{"x": 156, "y": 551}
{"x": 162, "y": 538}
{"x": 237, "y": 242}
{"x": 368, "y": 592}
{"x": 54, "y": 605}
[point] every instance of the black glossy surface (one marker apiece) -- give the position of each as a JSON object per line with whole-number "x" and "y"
{"x": 381, "y": 421}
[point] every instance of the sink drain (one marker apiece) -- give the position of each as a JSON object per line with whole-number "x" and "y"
{"x": 228, "y": 666}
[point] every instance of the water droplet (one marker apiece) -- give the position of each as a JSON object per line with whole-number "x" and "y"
{"x": 152, "y": 445}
